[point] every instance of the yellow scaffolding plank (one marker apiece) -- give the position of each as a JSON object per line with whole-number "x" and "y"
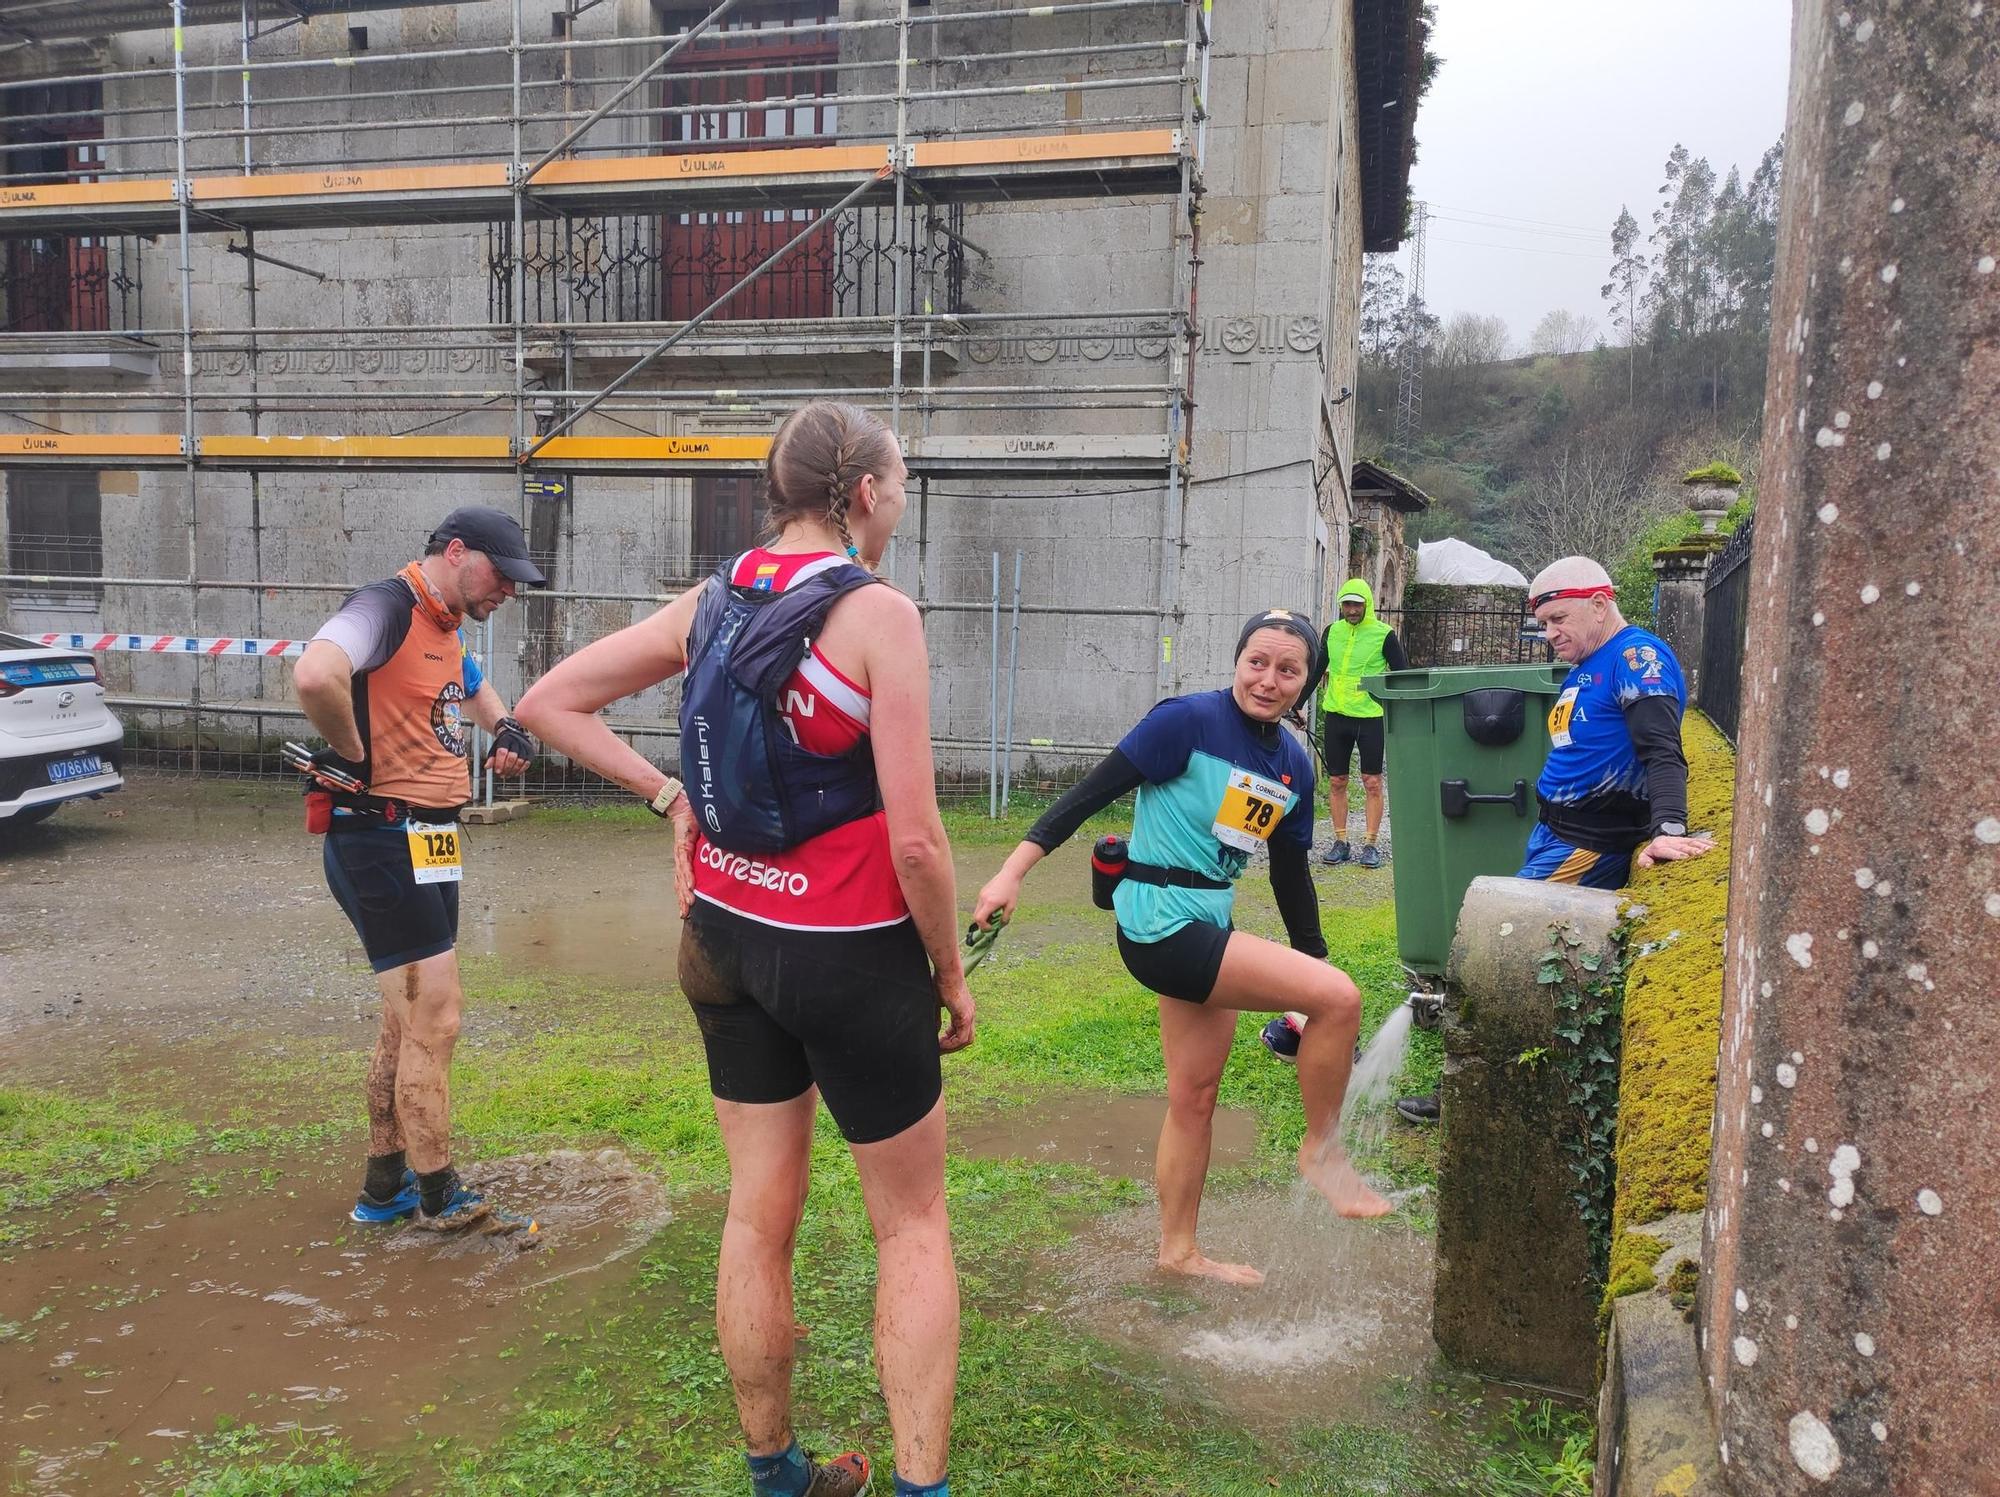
{"x": 1016, "y": 150}
{"x": 345, "y": 181}
{"x": 684, "y": 166}
{"x": 88, "y": 444}
{"x": 87, "y": 194}
{"x": 564, "y": 450}
{"x": 279, "y": 450}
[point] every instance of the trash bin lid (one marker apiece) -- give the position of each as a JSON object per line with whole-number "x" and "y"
{"x": 1542, "y": 679}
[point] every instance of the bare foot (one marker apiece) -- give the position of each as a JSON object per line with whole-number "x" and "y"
{"x": 1196, "y": 1265}
{"x": 1332, "y": 1176}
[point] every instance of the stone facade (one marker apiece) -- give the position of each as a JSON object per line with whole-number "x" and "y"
{"x": 1279, "y": 242}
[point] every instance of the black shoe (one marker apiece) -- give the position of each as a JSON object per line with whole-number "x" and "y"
{"x": 1338, "y": 853}
{"x": 1418, "y": 1109}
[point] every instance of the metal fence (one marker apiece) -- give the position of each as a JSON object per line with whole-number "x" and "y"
{"x": 1434, "y": 637}
{"x": 1725, "y": 607}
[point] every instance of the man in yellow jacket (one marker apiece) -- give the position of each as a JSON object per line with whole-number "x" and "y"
{"x": 1356, "y": 644}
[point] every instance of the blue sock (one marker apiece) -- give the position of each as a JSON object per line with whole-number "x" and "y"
{"x": 780, "y": 1475}
{"x": 907, "y": 1488}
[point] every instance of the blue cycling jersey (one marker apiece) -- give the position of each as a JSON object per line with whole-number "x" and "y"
{"x": 1217, "y": 783}
{"x": 1593, "y": 754}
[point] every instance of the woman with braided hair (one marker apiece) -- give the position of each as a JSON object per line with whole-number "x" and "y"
{"x": 821, "y": 939}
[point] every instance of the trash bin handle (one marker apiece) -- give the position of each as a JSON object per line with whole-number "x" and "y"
{"x": 1456, "y": 798}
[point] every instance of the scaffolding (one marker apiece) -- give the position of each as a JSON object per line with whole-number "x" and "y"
{"x": 838, "y": 165}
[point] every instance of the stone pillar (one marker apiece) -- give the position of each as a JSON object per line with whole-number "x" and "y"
{"x": 1849, "y": 1329}
{"x": 1681, "y": 574}
{"x": 1516, "y": 1291}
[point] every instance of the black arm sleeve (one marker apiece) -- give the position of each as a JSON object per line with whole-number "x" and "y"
{"x": 1114, "y": 776}
{"x": 1298, "y": 901}
{"x": 1655, "y": 725}
{"x": 1392, "y": 651}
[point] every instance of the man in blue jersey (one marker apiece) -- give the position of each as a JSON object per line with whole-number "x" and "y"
{"x": 1614, "y": 790}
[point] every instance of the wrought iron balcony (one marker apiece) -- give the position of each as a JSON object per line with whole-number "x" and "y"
{"x": 655, "y": 269}
{"x": 71, "y": 285}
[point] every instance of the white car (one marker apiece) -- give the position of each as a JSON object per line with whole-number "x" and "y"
{"x": 58, "y": 741}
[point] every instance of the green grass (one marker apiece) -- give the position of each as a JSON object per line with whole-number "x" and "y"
{"x": 638, "y": 1401}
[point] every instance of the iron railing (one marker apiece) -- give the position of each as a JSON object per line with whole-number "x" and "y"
{"x": 72, "y": 285}
{"x": 1434, "y": 637}
{"x": 647, "y": 268}
{"x": 1725, "y": 606}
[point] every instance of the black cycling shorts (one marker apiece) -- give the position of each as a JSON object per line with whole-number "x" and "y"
{"x": 1345, "y": 734}
{"x": 399, "y": 920}
{"x": 853, "y": 1012}
{"x": 1183, "y": 965}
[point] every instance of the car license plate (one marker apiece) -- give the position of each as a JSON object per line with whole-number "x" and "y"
{"x": 81, "y": 767}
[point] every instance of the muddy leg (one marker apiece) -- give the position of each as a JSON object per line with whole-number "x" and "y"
{"x": 385, "y": 1134}
{"x": 1194, "y": 1039}
{"x": 770, "y": 1154}
{"x": 428, "y": 1004}
{"x": 916, "y": 1292}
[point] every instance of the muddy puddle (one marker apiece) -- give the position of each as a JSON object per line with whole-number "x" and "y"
{"x": 1115, "y": 1135}
{"x": 1342, "y": 1318}
{"x": 139, "y": 1316}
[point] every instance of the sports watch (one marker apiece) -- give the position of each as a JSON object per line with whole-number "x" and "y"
{"x": 662, "y": 803}
{"x": 1673, "y": 829}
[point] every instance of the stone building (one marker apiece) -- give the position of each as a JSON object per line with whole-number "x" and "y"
{"x": 1099, "y": 266}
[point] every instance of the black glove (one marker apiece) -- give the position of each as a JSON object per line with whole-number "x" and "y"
{"x": 511, "y": 736}
{"x": 337, "y": 764}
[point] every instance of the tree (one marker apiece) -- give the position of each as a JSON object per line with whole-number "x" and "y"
{"x": 1623, "y": 290}
{"x": 1588, "y": 497}
{"x": 1682, "y": 297}
{"x": 1383, "y": 302}
{"x": 1562, "y": 333}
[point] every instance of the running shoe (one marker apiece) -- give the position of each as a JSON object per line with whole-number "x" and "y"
{"x": 465, "y": 1210}
{"x": 1422, "y": 1110}
{"x": 1370, "y": 857}
{"x": 1281, "y": 1037}
{"x": 372, "y": 1211}
{"x": 1338, "y": 853}
{"x": 844, "y": 1476}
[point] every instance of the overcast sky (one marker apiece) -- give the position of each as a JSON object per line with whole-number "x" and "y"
{"x": 1560, "y": 111}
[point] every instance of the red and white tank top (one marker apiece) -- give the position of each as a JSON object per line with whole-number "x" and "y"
{"x": 842, "y": 879}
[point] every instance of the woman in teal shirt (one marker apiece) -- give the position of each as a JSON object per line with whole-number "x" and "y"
{"x": 1218, "y": 776}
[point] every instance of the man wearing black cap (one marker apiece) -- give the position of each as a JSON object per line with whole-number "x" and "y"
{"x": 388, "y": 681}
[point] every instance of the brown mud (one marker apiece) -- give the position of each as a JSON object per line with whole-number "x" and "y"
{"x": 136, "y": 1317}
{"x": 1113, "y": 1135}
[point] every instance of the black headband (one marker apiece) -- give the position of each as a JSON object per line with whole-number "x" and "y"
{"x": 1292, "y": 622}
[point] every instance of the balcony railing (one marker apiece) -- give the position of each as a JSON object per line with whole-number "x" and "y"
{"x": 652, "y": 269}
{"x": 71, "y": 285}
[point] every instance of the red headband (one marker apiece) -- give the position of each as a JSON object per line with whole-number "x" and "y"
{"x": 1601, "y": 590}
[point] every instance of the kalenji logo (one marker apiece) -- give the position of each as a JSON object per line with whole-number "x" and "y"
{"x": 758, "y": 875}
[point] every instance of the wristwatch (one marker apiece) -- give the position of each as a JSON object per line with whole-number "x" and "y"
{"x": 1673, "y": 829}
{"x": 662, "y": 803}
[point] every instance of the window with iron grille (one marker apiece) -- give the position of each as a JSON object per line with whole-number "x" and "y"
{"x": 725, "y": 520}
{"x": 55, "y": 528}
{"x": 68, "y": 283}
{"x": 771, "y": 88}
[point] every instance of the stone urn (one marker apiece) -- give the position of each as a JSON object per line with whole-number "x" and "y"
{"x": 1709, "y": 492}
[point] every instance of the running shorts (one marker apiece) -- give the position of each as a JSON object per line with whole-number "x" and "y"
{"x": 399, "y": 920}
{"x": 853, "y": 1012}
{"x": 1551, "y": 858}
{"x": 1183, "y": 965}
{"x": 1345, "y": 734}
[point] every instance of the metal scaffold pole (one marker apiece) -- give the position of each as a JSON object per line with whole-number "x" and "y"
{"x": 188, "y": 443}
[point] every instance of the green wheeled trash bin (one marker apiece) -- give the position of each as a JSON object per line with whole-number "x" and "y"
{"x": 1464, "y": 748}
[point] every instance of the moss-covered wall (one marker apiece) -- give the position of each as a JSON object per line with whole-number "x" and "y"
{"x": 1673, "y": 1007}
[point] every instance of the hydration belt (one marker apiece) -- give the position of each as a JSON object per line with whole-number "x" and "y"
{"x": 365, "y": 809}
{"x": 1171, "y": 878}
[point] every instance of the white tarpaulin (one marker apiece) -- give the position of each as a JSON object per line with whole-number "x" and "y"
{"x": 1460, "y": 564}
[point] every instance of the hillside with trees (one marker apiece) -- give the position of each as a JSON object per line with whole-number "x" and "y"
{"x": 1574, "y": 438}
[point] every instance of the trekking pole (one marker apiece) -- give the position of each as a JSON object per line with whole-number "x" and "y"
{"x": 299, "y": 757}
